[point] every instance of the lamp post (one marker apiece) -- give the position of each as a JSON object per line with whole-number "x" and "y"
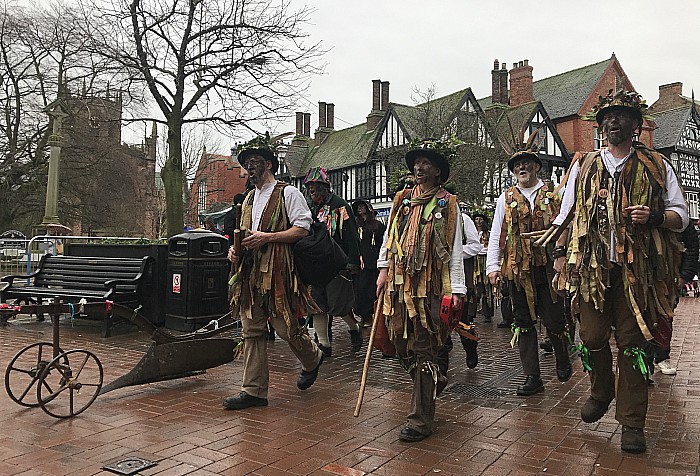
{"x": 56, "y": 112}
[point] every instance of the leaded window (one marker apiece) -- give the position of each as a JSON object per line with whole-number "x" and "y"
{"x": 366, "y": 184}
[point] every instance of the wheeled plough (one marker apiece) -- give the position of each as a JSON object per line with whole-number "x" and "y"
{"x": 65, "y": 383}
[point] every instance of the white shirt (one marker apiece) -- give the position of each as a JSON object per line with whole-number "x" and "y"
{"x": 472, "y": 247}
{"x": 297, "y": 210}
{"x": 493, "y": 256}
{"x": 456, "y": 263}
{"x": 672, "y": 197}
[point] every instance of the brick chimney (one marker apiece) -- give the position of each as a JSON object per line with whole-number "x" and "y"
{"x": 303, "y": 124}
{"x": 330, "y": 112}
{"x": 670, "y": 97}
{"x": 326, "y": 112}
{"x": 385, "y": 96}
{"x": 307, "y": 124}
{"x": 321, "y": 114}
{"x": 376, "y": 114}
{"x": 300, "y": 123}
{"x": 504, "y": 83}
{"x": 499, "y": 84}
{"x": 521, "y": 83}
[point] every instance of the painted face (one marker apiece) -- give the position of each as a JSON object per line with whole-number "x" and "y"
{"x": 479, "y": 222}
{"x": 618, "y": 126}
{"x": 525, "y": 171}
{"x": 427, "y": 174}
{"x": 257, "y": 166}
{"x": 363, "y": 213}
{"x": 318, "y": 192}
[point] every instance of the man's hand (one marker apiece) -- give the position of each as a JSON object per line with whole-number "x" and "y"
{"x": 457, "y": 301}
{"x": 381, "y": 279}
{"x": 495, "y": 278}
{"x": 559, "y": 264}
{"x": 256, "y": 239}
{"x": 638, "y": 213}
{"x": 232, "y": 257}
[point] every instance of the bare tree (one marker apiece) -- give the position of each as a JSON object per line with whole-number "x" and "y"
{"x": 222, "y": 62}
{"x": 475, "y": 159}
{"x": 43, "y": 56}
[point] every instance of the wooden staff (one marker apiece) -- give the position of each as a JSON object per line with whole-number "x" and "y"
{"x": 375, "y": 321}
{"x": 237, "y": 232}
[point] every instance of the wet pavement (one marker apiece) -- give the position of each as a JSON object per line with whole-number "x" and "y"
{"x": 481, "y": 426}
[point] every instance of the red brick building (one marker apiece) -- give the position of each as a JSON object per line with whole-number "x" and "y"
{"x": 217, "y": 180}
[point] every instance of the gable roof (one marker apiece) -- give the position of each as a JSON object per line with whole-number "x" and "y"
{"x": 564, "y": 94}
{"x": 412, "y": 117}
{"x": 670, "y": 125}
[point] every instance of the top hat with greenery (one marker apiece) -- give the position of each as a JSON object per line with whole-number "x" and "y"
{"x": 440, "y": 152}
{"x": 627, "y": 100}
{"x": 262, "y": 146}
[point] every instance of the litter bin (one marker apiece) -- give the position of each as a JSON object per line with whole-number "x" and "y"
{"x": 197, "y": 280}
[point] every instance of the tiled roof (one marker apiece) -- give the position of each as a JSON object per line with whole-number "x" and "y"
{"x": 670, "y": 124}
{"x": 443, "y": 108}
{"x": 564, "y": 94}
{"x": 341, "y": 148}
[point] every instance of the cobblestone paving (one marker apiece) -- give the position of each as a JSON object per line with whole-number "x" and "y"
{"x": 481, "y": 427}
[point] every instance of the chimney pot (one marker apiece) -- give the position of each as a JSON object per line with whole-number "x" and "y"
{"x": 515, "y": 65}
{"x": 503, "y": 66}
{"x": 495, "y": 64}
{"x": 525, "y": 62}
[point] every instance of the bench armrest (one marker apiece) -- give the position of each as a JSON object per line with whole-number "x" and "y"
{"x": 11, "y": 277}
{"x": 112, "y": 283}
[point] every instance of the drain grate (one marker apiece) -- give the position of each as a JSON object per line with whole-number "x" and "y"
{"x": 130, "y": 465}
{"x": 476, "y": 391}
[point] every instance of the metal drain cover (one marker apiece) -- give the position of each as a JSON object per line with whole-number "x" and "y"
{"x": 476, "y": 391}
{"x": 130, "y": 465}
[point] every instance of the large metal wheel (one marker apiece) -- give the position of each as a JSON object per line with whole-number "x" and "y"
{"x": 24, "y": 370}
{"x": 67, "y": 390}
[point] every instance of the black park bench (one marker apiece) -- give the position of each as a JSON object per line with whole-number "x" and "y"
{"x": 74, "y": 278}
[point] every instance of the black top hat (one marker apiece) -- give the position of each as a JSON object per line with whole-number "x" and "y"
{"x": 261, "y": 146}
{"x": 434, "y": 150}
{"x": 523, "y": 155}
{"x": 482, "y": 215}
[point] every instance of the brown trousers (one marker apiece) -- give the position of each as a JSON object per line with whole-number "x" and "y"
{"x": 421, "y": 358}
{"x": 596, "y": 326}
{"x": 256, "y": 375}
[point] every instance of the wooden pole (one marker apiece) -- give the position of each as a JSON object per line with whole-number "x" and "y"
{"x": 375, "y": 321}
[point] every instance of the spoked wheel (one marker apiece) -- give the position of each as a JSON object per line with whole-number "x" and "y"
{"x": 67, "y": 390}
{"x": 24, "y": 370}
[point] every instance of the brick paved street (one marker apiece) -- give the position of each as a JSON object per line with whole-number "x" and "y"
{"x": 482, "y": 427}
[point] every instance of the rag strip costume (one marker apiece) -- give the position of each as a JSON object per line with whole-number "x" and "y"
{"x": 422, "y": 250}
{"x": 528, "y": 271}
{"x": 482, "y": 285}
{"x": 266, "y": 286}
{"x": 621, "y": 274}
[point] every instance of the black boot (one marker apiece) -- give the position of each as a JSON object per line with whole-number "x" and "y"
{"x": 355, "y": 341}
{"x": 533, "y": 384}
{"x": 470, "y": 349}
{"x": 561, "y": 353}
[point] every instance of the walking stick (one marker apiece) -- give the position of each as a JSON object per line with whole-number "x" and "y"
{"x": 375, "y": 320}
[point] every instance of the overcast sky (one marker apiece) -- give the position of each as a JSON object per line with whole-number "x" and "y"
{"x": 453, "y": 43}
